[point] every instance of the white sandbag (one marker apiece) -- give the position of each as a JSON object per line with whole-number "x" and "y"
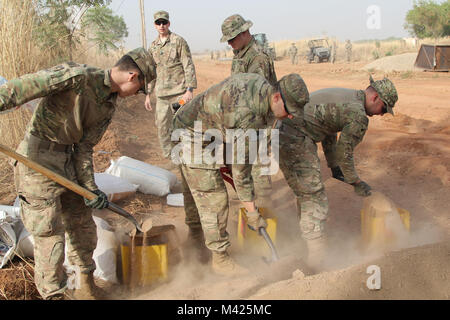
{"x": 7, "y": 242}
{"x": 104, "y": 256}
{"x": 105, "y": 252}
{"x": 25, "y": 244}
{"x": 11, "y": 211}
{"x": 114, "y": 187}
{"x": 175, "y": 200}
{"x": 151, "y": 179}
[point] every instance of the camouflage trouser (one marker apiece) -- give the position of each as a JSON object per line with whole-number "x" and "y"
{"x": 164, "y": 116}
{"x": 210, "y": 207}
{"x": 55, "y": 217}
{"x": 294, "y": 59}
{"x": 301, "y": 168}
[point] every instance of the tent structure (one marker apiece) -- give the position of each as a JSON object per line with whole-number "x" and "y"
{"x": 433, "y": 57}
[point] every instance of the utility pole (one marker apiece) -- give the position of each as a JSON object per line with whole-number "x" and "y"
{"x": 144, "y": 37}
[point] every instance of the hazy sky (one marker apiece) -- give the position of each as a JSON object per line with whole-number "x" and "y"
{"x": 199, "y": 21}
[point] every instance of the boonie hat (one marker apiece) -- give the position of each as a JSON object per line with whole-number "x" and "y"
{"x": 234, "y": 25}
{"x": 386, "y": 91}
{"x": 146, "y": 64}
{"x": 295, "y": 93}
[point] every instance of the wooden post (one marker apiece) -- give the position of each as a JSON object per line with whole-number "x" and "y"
{"x": 144, "y": 37}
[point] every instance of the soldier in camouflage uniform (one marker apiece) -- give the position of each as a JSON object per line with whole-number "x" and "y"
{"x": 292, "y": 53}
{"x": 250, "y": 57}
{"x": 77, "y": 106}
{"x": 242, "y": 101}
{"x": 328, "y": 112}
{"x": 176, "y": 79}
{"x": 333, "y": 51}
{"x": 348, "y": 50}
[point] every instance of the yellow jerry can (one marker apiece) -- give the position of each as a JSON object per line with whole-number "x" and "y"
{"x": 250, "y": 241}
{"x": 144, "y": 263}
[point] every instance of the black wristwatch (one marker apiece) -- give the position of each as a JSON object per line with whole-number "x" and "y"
{"x": 190, "y": 89}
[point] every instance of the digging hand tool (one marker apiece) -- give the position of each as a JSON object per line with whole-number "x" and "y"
{"x": 89, "y": 195}
{"x": 227, "y": 176}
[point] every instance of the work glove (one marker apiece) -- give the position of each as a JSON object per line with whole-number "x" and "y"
{"x": 101, "y": 202}
{"x": 337, "y": 174}
{"x": 362, "y": 189}
{"x": 255, "y": 220}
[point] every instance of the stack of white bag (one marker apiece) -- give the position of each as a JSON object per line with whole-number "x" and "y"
{"x": 151, "y": 179}
{"x": 18, "y": 240}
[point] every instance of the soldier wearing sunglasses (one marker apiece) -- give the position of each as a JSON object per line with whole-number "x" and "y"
{"x": 328, "y": 112}
{"x": 176, "y": 78}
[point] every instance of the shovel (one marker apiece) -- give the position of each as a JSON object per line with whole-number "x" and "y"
{"x": 144, "y": 227}
{"x": 226, "y": 175}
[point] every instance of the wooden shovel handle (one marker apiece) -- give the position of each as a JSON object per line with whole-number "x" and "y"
{"x": 49, "y": 174}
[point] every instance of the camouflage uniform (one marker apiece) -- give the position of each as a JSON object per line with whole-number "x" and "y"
{"x": 329, "y": 111}
{"x": 251, "y": 59}
{"x": 348, "y": 50}
{"x": 175, "y": 74}
{"x": 241, "y": 101}
{"x": 76, "y": 109}
{"x": 333, "y": 51}
{"x": 292, "y": 53}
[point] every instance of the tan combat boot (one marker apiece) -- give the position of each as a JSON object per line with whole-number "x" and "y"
{"x": 316, "y": 253}
{"x": 224, "y": 265}
{"x": 195, "y": 244}
{"x": 87, "y": 290}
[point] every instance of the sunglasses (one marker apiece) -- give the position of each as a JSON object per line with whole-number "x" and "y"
{"x": 161, "y": 22}
{"x": 284, "y": 101}
{"x": 384, "y": 109}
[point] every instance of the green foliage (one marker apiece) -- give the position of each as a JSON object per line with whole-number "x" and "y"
{"x": 389, "y": 53}
{"x": 428, "y": 19}
{"x": 101, "y": 26}
{"x": 58, "y": 22}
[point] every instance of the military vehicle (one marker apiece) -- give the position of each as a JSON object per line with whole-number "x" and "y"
{"x": 319, "y": 51}
{"x": 261, "y": 38}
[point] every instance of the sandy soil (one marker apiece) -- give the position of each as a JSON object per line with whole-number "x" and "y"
{"x": 406, "y": 157}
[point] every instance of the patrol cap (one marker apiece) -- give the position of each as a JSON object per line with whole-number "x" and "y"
{"x": 386, "y": 91}
{"x": 161, "y": 15}
{"x": 233, "y": 25}
{"x": 145, "y": 63}
{"x": 295, "y": 93}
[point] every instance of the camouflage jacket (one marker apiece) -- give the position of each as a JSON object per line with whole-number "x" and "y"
{"x": 253, "y": 59}
{"x": 76, "y": 109}
{"x": 328, "y": 112}
{"x": 241, "y": 101}
{"x": 175, "y": 70}
{"x": 292, "y": 51}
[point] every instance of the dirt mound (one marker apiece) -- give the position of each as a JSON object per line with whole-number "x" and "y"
{"x": 401, "y": 62}
{"x": 398, "y": 279}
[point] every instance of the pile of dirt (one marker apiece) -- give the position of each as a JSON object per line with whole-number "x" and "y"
{"x": 401, "y": 62}
{"x": 399, "y": 280}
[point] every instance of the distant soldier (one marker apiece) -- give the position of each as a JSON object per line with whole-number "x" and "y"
{"x": 328, "y": 112}
{"x": 250, "y": 57}
{"x": 242, "y": 101}
{"x": 333, "y": 51}
{"x": 292, "y": 53}
{"x": 176, "y": 78}
{"x": 348, "y": 50}
{"x": 77, "y": 106}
